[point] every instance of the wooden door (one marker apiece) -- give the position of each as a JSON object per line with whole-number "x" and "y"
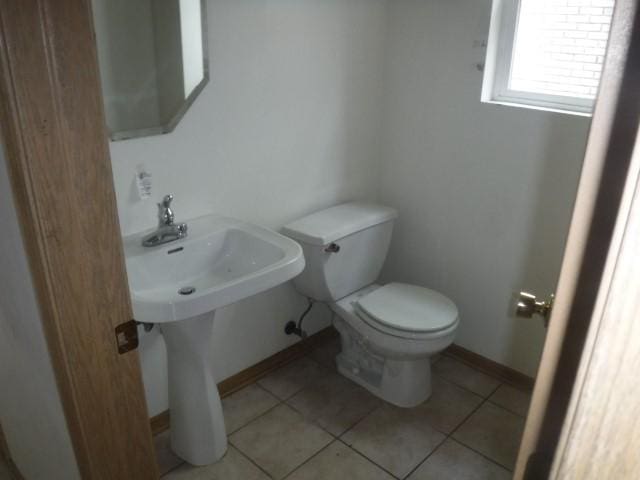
{"x": 53, "y": 129}
{"x": 586, "y": 285}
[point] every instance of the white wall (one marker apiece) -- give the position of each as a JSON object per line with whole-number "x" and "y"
{"x": 484, "y": 192}
{"x": 30, "y": 409}
{"x": 288, "y": 124}
{"x": 312, "y": 102}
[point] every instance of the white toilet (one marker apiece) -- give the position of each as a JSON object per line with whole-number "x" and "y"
{"x": 389, "y": 333}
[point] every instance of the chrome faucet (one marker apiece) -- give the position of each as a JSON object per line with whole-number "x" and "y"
{"x": 167, "y": 231}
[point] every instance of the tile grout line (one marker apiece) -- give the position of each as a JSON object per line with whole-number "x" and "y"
{"x": 359, "y": 453}
{"x": 435, "y": 449}
{"x": 173, "y": 468}
{"x": 339, "y": 438}
{"x": 519, "y": 415}
{"x": 322, "y": 367}
{"x": 489, "y": 459}
{"x": 280, "y": 402}
{"x": 312, "y": 422}
{"x": 486, "y": 400}
{"x": 277, "y": 404}
{"x": 464, "y": 420}
{"x": 359, "y": 421}
{"x": 467, "y": 389}
{"x": 251, "y": 461}
{"x": 449, "y": 435}
{"x": 249, "y": 422}
{"x": 502, "y": 381}
{"x": 333, "y": 440}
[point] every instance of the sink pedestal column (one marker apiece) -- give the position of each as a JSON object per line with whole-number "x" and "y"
{"x": 198, "y": 433}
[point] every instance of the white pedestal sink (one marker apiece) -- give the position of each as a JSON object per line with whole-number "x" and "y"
{"x": 180, "y": 285}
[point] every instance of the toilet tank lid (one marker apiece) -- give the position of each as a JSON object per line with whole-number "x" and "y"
{"x": 331, "y": 224}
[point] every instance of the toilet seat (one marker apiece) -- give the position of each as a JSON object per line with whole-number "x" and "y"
{"x": 408, "y": 311}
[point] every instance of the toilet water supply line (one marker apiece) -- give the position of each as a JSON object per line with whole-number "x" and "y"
{"x": 292, "y": 328}
{"x": 296, "y": 329}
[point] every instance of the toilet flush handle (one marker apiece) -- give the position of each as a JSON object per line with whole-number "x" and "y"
{"x": 332, "y": 248}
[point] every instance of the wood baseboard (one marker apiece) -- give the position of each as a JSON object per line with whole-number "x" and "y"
{"x": 506, "y": 374}
{"x": 161, "y": 422}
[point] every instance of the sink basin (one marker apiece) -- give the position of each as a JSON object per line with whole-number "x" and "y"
{"x": 179, "y": 285}
{"x": 223, "y": 260}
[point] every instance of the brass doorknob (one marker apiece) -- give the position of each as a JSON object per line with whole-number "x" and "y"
{"x": 528, "y": 305}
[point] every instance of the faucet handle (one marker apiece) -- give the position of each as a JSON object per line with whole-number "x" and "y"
{"x": 165, "y": 214}
{"x": 166, "y": 201}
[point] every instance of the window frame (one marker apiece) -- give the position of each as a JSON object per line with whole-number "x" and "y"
{"x": 495, "y": 86}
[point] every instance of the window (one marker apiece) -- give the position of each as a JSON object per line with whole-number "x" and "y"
{"x": 547, "y": 53}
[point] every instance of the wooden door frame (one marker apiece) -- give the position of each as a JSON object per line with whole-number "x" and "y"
{"x": 602, "y": 185}
{"x": 55, "y": 138}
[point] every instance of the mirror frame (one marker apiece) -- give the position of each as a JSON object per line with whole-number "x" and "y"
{"x": 171, "y": 125}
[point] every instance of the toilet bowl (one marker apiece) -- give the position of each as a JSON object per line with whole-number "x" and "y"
{"x": 381, "y": 354}
{"x": 388, "y": 332}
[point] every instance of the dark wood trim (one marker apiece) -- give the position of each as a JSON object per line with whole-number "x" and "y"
{"x": 160, "y": 422}
{"x": 495, "y": 369}
{"x": 54, "y": 135}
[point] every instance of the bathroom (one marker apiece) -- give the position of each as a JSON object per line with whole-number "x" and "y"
{"x": 310, "y": 104}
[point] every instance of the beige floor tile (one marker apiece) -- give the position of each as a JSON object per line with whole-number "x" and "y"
{"x": 167, "y": 460}
{"x": 280, "y": 440}
{"x": 244, "y": 405}
{"x": 494, "y": 432}
{"x": 448, "y": 405}
{"x": 293, "y": 377}
{"x": 394, "y": 439}
{"x": 334, "y": 402}
{"x": 454, "y": 461}
{"x": 512, "y": 399}
{"x": 339, "y": 462}
{"x": 233, "y": 466}
{"x": 465, "y": 376}
{"x": 326, "y": 353}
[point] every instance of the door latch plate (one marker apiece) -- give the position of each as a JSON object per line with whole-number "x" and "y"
{"x": 127, "y": 336}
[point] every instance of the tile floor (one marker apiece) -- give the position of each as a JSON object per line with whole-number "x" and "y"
{"x": 305, "y": 421}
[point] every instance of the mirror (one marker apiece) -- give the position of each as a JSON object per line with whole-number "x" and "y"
{"x": 153, "y": 62}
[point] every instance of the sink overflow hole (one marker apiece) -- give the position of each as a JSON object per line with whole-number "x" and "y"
{"x": 186, "y": 290}
{"x": 175, "y": 250}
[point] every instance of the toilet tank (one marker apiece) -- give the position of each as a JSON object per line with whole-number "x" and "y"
{"x": 344, "y": 248}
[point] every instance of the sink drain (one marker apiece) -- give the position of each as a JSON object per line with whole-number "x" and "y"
{"x": 186, "y": 290}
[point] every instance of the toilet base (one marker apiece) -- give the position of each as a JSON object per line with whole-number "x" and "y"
{"x": 405, "y": 383}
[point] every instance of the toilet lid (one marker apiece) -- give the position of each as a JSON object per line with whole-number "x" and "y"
{"x": 409, "y": 308}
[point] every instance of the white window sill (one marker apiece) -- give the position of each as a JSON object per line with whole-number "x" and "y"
{"x": 538, "y": 107}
